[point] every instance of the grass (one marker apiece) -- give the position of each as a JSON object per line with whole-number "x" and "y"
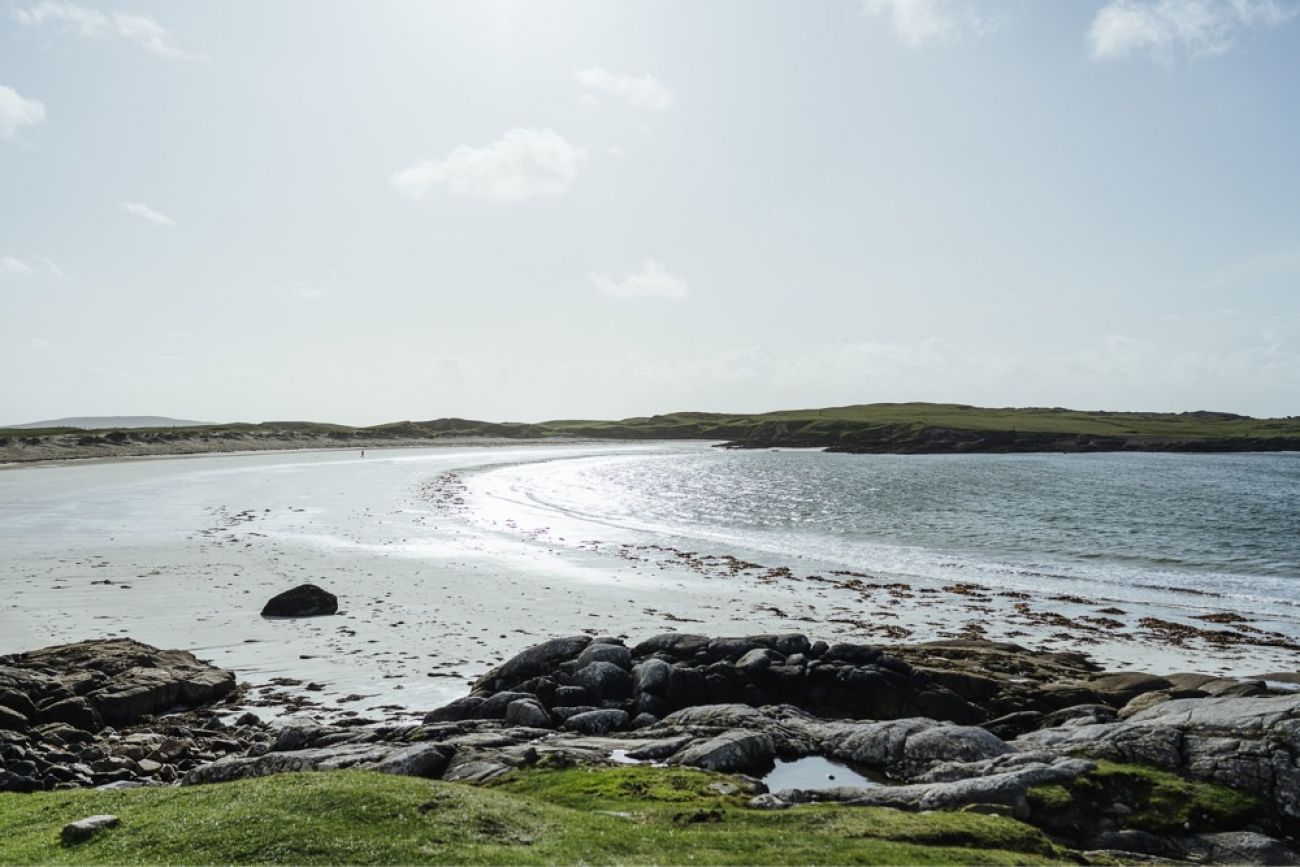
{"x": 617, "y": 816}
{"x": 1161, "y": 802}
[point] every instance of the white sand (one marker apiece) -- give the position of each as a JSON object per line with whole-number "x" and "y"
{"x": 194, "y": 546}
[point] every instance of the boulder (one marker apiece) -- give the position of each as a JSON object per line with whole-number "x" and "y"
{"x": 305, "y": 600}
{"x": 540, "y": 659}
{"x": 738, "y": 751}
{"x": 604, "y": 680}
{"x": 527, "y": 712}
{"x": 12, "y": 720}
{"x": 597, "y": 722}
{"x": 83, "y": 829}
{"x": 615, "y": 654}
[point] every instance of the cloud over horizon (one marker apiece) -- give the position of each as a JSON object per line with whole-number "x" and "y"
{"x": 522, "y": 164}
{"x": 144, "y": 212}
{"x": 652, "y": 281}
{"x": 17, "y": 111}
{"x": 638, "y": 91}
{"x": 142, "y": 30}
{"x": 1168, "y": 29}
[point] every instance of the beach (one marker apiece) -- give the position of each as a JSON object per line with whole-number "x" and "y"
{"x": 439, "y": 578}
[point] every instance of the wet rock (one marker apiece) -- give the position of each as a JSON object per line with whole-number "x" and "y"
{"x": 305, "y": 600}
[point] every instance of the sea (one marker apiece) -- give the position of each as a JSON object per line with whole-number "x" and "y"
{"x": 1142, "y": 527}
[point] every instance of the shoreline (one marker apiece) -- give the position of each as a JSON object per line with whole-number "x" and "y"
{"x": 183, "y": 554}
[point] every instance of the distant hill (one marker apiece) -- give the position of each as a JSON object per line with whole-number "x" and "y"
{"x": 97, "y": 422}
{"x": 881, "y": 428}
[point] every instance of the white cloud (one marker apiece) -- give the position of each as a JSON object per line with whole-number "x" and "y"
{"x": 652, "y": 281}
{"x": 144, "y": 212}
{"x": 143, "y": 30}
{"x": 9, "y": 266}
{"x": 17, "y": 111}
{"x": 522, "y": 164}
{"x": 53, "y": 267}
{"x": 1166, "y": 29}
{"x": 640, "y": 91}
{"x": 918, "y": 22}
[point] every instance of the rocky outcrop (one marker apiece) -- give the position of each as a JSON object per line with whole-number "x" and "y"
{"x": 113, "y": 682}
{"x": 305, "y": 600}
{"x": 85, "y": 714}
{"x": 1251, "y": 744}
{"x": 679, "y": 670}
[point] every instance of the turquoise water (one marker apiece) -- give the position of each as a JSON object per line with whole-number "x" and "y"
{"x": 1226, "y": 527}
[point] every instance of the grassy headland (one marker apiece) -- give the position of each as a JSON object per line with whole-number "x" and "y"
{"x": 882, "y": 428}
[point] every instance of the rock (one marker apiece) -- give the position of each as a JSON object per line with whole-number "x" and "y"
{"x": 421, "y": 760}
{"x": 527, "y": 712}
{"x": 1120, "y": 688}
{"x": 83, "y": 829}
{"x": 1251, "y": 744}
{"x": 676, "y": 645}
{"x": 540, "y": 659}
{"x": 1238, "y": 847}
{"x": 615, "y": 654}
{"x": 121, "y": 680}
{"x": 652, "y": 675}
{"x": 12, "y": 720}
{"x": 597, "y": 722}
{"x": 18, "y": 702}
{"x": 737, "y": 751}
{"x": 604, "y": 680}
{"x": 1143, "y": 701}
{"x": 460, "y": 709}
{"x": 758, "y": 660}
{"x": 305, "y": 600}
{"x": 1008, "y": 788}
{"x": 297, "y": 734}
{"x": 76, "y": 712}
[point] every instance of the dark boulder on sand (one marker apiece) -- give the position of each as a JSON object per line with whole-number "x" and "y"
{"x": 305, "y": 600}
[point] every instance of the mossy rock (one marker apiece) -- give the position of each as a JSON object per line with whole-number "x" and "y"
{"x": 1138, "y": 798}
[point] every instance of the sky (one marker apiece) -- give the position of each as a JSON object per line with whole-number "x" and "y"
{"x": 367, "y": 212}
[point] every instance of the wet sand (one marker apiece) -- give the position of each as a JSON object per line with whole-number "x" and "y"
{"x": 184, "y": 553}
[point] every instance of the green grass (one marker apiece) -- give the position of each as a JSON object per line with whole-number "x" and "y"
{"x": 616, "y": 816}
{"x": 1163, "y": 803}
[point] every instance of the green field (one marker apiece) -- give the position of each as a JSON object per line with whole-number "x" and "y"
{"x": 610, "y": 816}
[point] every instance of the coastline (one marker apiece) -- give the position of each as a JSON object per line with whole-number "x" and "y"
{"x": 183, "y": 554}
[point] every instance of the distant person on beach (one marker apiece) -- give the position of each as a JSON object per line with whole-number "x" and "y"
{"x": 363, "y": 453}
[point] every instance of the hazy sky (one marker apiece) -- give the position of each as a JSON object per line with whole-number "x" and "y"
{"x": 363, "y": 212}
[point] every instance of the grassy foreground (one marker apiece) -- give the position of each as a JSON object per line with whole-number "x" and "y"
{"x": 632, "y": 815}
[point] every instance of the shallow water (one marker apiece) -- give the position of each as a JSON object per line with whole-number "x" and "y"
{"x": 812, "y": 773}
{"x": 1127, "y": 526}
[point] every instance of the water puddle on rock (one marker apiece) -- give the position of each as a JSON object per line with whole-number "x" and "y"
{"x": 815, "y": 772}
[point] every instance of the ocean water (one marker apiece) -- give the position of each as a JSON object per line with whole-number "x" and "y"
{"x": 1209, "y": 531}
